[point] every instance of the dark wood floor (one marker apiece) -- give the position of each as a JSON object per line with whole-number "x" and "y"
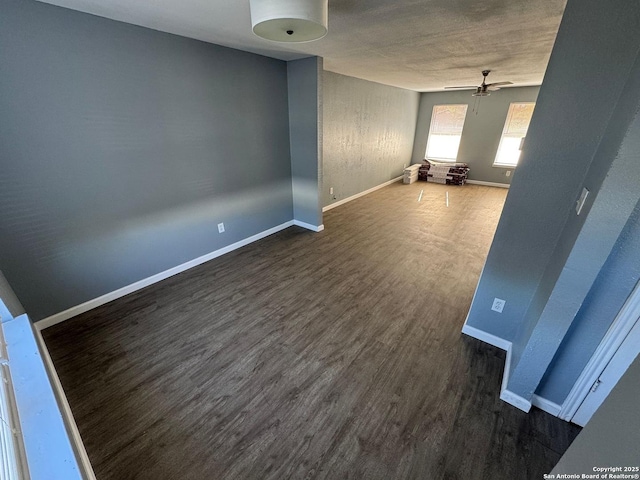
{"x": 311, "y": 355}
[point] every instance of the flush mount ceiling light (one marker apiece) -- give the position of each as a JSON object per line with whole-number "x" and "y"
{"x": 290, "y": 20}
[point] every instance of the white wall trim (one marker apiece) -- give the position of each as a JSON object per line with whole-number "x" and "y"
{"x": 488, "y": 184}
{"x": 515, "y": 400}
{"x": 618, "y": 331}
{"x": 65, "y": 409}
{"x": 505, "y": 395}
{"x": 121, "y": 292}
{"x": 361, "y": 194}
{"x": 308, "y": 226}
{"x": 507, "y": 371}
{"x": 485, "y": 337}
{"x": 545, "y": 405}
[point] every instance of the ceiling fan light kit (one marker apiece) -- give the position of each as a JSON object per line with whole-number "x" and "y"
{"x": 293, "y": 21}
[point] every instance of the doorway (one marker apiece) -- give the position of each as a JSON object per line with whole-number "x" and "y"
{"x": 618, "y": 349}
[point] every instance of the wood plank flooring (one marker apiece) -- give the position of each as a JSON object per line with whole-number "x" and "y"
{"x": 332, "y": 355}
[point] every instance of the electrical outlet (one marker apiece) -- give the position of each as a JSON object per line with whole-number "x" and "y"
{"x": 508, "y": 173}
{"x": 331, "y": 191}
{"x": 498, "y": 305}
{"x": 221, "y": 228}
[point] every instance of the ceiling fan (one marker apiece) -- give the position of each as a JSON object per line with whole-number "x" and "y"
{"x": 485, "y": 89}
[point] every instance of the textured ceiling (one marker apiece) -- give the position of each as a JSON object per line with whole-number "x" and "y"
{"x": 421, "y": 45}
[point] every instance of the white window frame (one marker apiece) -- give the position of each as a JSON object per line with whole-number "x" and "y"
{"x": 433, "y": 113}
{"x": 13, "y": 464}
{"x": 37, "y": 440}
{"x": 502, "y": 136}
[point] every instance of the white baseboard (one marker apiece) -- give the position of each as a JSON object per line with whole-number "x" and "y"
{"x": 515, "y": 400}
{"x": 361, "y": 194}
{"x": 507, "y": 371}
{"x": 485, "y": 337}
{"x": 65, "y": 409}
{"x": 121, "y": 292}
{"x": 505, "y": 394}
{"x": 546, "y": 405}
{"x": 488, "y": 184}
{"x": 308, "y": 226}
{"x": 525, "y": 405}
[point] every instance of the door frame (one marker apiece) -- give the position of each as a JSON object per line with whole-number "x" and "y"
{"x": 617, "y": 332}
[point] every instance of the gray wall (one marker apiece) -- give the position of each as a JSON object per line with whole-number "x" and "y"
{"x": 481, "y": 132}
{"x": 612, "y": 436}
{"x": 123, "y": 147}
{"x": 545, "y": 259}
{"x": 305, "y": 127}
{"x": 368, "y": 134}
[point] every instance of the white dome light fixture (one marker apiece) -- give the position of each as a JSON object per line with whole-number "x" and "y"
{"x": 290, "y": 20}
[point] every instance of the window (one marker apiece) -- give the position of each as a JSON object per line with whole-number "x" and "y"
{"x": 515, "y": 129}
{"x": 34, "y": 440}
{"x": 445, "y": 132}
{"x": 12, "y": 452}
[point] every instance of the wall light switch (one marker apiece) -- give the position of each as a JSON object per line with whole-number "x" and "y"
{"x": 581, "y": 200}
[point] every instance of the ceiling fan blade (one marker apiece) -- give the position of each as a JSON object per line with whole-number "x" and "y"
{"x": 466, "y": 86}
{"x": 498, "y": 84}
